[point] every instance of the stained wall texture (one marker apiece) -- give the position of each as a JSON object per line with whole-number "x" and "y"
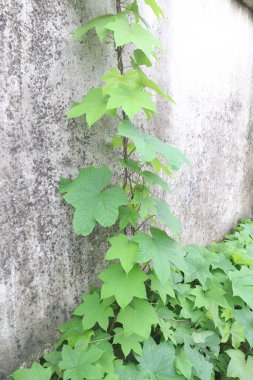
{"x": 207, "y": 66}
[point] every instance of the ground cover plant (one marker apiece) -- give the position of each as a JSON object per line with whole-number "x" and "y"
{"x": 163, "y": 311}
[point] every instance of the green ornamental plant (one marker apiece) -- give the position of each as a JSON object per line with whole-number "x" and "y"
{"x": 163, "y": 311}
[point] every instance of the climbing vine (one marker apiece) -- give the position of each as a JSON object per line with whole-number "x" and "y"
{"x": 163, "y": 311}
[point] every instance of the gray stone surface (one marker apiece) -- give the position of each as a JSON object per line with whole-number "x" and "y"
{"x": 207, "y": 67}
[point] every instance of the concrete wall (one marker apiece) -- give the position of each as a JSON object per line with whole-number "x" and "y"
{"x": 207, "y": 67}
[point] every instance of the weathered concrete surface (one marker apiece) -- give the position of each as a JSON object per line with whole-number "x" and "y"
{"x": 207, "y": 67}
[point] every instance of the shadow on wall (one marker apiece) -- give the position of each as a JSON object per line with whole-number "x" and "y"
{"x": 248, "y": 3}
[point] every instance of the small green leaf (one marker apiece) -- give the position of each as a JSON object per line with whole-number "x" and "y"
{"x": 167, "y": 218}
{"x": 128, "y": 215}
{"x": 162, "y": 250}
{"x": 245, "y": 318}
{"x": 123, "y": 286}
{"x": 124, "y": 33}
{"x": 131, "y": 100}
{"x": 123, "y": 250}
{"x": 91, "y": 203}
{"x": 93, "y": 105}
{"x": 99, "y": 23}
{"x": 37, "y": 372}
{"x": 201, "y": 366}
{"x": 141, "y": 58}
{"x": 239, "y": 367}
{"x": 153, "y": 179}
{"x": 149, "y": 146}
{"x": 162, "y": 289}
{"x": 155, "y": 8}
{"x": 183, "y": 365}
{"x": 94, "y": 312}
{"x": 242, "y": 284}
{"x": 238, "y": 334}
{"x": 138, "y": 318}
{"x": 128, "y": 343}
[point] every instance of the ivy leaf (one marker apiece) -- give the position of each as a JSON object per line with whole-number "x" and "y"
{"x": 106, "y": 361}
{"x": 52, "y": 361}
{"x": 162, "y": 289}
{"x": 153, "y": 179}
{"x": 128, "y": 372}
{"x": 128, "y": 343}
{"x": 242, "y": 284}
{"x": 149, "y": 146}
{"x": 245, "y": 318}
{"x": 99, "y": 23}
{"x": 113, "y": 79}
{"x": 238, "y": 334}
{"x": 134, "y": 33}
{"x": 137, "y": 318}
{"x": 198, "y": 266}
{"x": 184, "y": 365}
{"x": 210, "y": 299}
{"x": 201, "y": 367}
{"x": 157, "y": 361}
{"x": 141, "y": 58}
{"x": 238, "y": 367}
{"x": 93, "y": 105}
{"x": 162, "y": 250}
{"x": 167, "y": 218}
{"x": 155, "y": 8}
{"x": 80, "y": 363}
{"x": 128, "y": 215}
{"x": 91, "y": 203}
{"x": 37, "y": 372}
{"x": 94, "y": 312}
{"x": 72, "y": 332}
{"x": 132, "y": 100}
{"x": 121, "y": 285}
{"x": 123, "y": 250}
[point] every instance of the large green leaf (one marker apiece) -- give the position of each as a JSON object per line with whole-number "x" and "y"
{"x": 123, "y": 250}
{"x": 80, "y": 363}
{"x": 36, "y": 372}
{"x": 157, "y": 361}
{"x": 132, "y": 100}
{"x": 94, "y": 312}
{"x": 149, "y": 146}
{"x": 91, "y": 203}
{"x": 162, "y": 250}
{"x": 125, "y": 33}
{"x": 239, "y": 367}
{"x": 123, "y": 286}
{"x": 93, "y": 105}
{"x": 242, "y": 284}
{"x": 138, "y": 318}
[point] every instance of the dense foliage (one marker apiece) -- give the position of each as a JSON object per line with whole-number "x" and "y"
{"x": 163, "y": 311}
